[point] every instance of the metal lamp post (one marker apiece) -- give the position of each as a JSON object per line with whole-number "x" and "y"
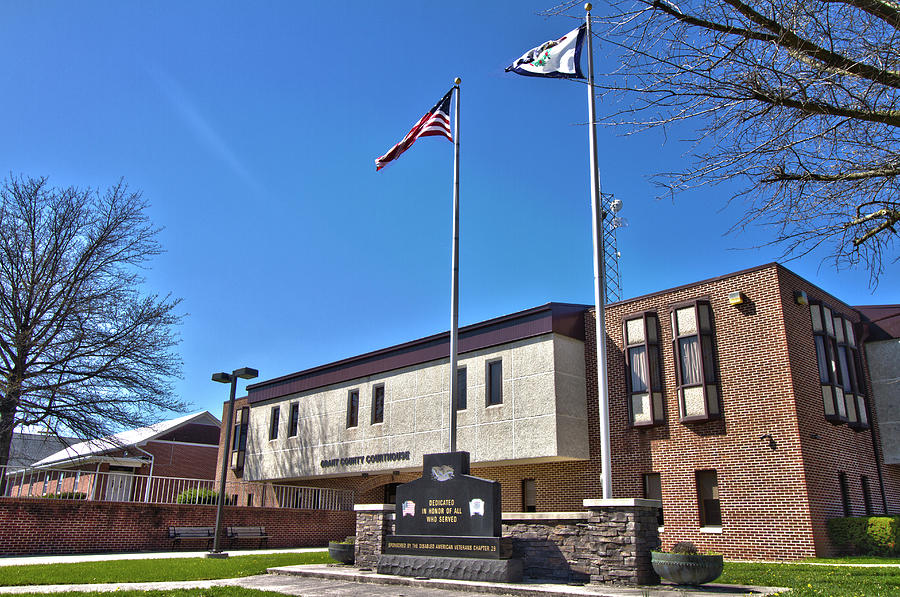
{"x": 242, "y": 373}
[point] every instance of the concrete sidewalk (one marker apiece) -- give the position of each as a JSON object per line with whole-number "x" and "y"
{"x": 322, "y": 580}
{"x": 529, "y": 589}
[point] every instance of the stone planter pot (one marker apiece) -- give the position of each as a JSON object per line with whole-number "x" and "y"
{"x": 684, "y": 569}
{"x": 342, "y": 552}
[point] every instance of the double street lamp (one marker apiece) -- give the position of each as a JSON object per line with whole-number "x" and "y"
{"x": 242, "y": 373}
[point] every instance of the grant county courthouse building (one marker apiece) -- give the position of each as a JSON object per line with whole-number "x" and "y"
{"x": 753, "y": 422}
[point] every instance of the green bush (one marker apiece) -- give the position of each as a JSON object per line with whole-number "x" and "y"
{"x": 67, "y": 495}
{"x": 198, "y": 496}
{"x": 866, "y": 535}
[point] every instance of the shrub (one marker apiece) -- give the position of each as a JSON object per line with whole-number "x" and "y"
{"x": 67, "y": 495}
{"x": 197, "y": 496}
{"x": 685, "y": 548}
{"x": 866, "y": 535}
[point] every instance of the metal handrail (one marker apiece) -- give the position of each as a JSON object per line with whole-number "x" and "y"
{"x": 114, "y": 486}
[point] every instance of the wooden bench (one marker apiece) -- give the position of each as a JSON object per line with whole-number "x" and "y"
{"x": 235, "y": 533}
{"x": 179, "y": 533}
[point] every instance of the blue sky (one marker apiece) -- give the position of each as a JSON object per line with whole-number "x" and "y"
{"x": 252, "y": 128}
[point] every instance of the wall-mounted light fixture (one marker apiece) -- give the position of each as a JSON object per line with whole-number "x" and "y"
{"x": 800, "y": 297}
{"x": 735, "y": 298}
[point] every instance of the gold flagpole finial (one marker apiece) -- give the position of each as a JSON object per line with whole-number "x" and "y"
{"x": 588, "y": 7}
{"x": 457, "y": 80}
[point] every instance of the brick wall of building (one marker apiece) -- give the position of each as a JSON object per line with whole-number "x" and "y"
{"x": 192, "y": 461}
{"x": 827, "y": 448}
{"x": 35, "y": 526}
{"x": 761, "y": 489}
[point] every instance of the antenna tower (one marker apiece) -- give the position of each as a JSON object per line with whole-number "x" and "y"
{"x": 612, "y": 222}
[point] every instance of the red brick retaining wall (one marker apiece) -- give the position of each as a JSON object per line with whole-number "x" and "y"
{"x": 35, "y": 526}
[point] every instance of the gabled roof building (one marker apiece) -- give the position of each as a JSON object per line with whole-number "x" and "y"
{"x": 181, "y": 447}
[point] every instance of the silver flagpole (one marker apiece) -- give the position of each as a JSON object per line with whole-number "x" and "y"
{"x": 454, "y": 282}
{"x": 599, "y": 276}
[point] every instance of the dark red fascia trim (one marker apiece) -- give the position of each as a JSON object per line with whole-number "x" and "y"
{"x": 561, "y": 318}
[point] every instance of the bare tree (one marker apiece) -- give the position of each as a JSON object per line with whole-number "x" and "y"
{"x": 799, "y": 99}
{"x": 82, "y": 350}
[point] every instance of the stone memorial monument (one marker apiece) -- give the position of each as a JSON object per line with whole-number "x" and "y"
{"x": 448, "y": 525}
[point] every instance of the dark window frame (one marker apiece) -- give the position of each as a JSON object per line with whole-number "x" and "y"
{"x": 378, "y": 402}
{"x": 648, "y": 494}
{"x": 709, "y": 510}
{"x": 707, "y": 361}
{"x": 274, "y": 422}
{"x": 527, "y": 506}
{"x": 461, "y": 388}
{"x": 841, "y": 376}
{"x": 867, "y": 495}
{"x": 846, "y": 503}
{"x": 353, "y": 408}
{"x": 294, "y": 419}
{"x": 489, "y": 385}
{"x": 654, "y": 372}
{"x": 239, "y": 437}
{"x": 390, "y": 492}
{"x": 849, "y": 345}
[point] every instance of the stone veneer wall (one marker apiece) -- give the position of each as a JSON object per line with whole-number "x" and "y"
{"x": 551, "y": 545}
{"x": 610, "y": 543}
{"x": 621, "y": 534}
{"x": 374, "y": 522}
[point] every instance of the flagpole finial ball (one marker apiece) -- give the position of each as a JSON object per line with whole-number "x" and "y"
{"x": 457, "y": 80}
{"x": 588, "y": 7}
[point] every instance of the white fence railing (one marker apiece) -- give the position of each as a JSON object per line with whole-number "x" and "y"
{"x": 114, "y": 486}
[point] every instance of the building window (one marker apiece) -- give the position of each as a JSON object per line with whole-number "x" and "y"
{"x": 461, "y": 388}
{"x": 642, "y": 370}
{"x": 494, "y": 382}
{"x": 273, "y": 422}
{"x": 378, "y": 404}
{"x": 708, "y": 498}
{"x": 390, "y": 493}
{"x": 653, "y": 491}
{"x": 353, "y": 408}
{"x": 698, "y": 390}
{"x": 294, "y": 421}
{"x": 239, "y": 438}
{"x": 826, "y": 356}
{"x": 845, "y": 494}
{"x": 840, "y": 368}
{"x": 867, "y": 497}
{"x": 529, "y": 495}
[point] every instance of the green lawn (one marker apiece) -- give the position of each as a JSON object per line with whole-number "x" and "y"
{"x": 805, "y": 580}
{"x": 153, "y": 570}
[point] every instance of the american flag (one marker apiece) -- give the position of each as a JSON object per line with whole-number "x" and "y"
{"x": 435, "y": 123}
{"x": 409, "y": 508}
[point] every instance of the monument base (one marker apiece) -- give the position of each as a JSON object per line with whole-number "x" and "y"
{"x": 478, "y": 569}
{"x": 443, "y": 546}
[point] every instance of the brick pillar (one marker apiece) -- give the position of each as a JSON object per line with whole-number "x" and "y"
{"x": 374, "y": 522}
{"x": 621, "y": 533}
